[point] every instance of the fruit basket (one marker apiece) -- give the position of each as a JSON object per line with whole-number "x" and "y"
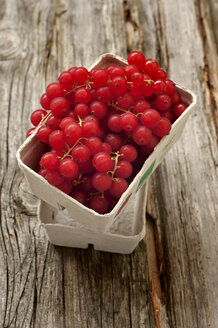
{"x": 30, "y": 152}
{"x": 122, "y": 237}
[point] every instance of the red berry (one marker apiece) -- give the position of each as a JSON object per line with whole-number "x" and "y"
{"x": 73, "y": 132}
{"x": 151, "y": 67}
{"x": 53, "y": 122}
{"x": 54, "y": 90}
{"x": 94, "y": 145}
{"x": 45, "y": 101}
{"x": 43, "y": 134}
{"x": 161, "y": 75}
{"x": 86, "y": 184}
{"x": 114, "y": 140}
{"x": 49, "y": 161}
{"x": 79, "y": 196}
{"x": 163, "y": 127}
{"x": 65, "y": 186}
{"x": 98, "y": 109}
{"x": 81, "y": 153}
{"x": 163, "y": 102}
{"x": 106, "y": 147}
{"x": 66, "y": 121}
{"x": 137, "y": 79}
{"x": 136, "y": 58}
{"x": 134, "y": 90}
{"x": 57, "y": 139}
{"x": 99, "y": 204}
{"x": 125, "y": 101}
{"x": 128, "y": 121}
{"x": 124, "y": 169}
{"x": 54, "y": 178}
{"x": 140, "y": 106}
{"x": 159, "y": 87}
{"x": 129, "y": 70}
{"x": 119, "y": 85}
{"x": 147, "y": 89}
{"x": 81, "y": 110}
{"x": 170, "y": 87}
{"x": 59, "y": 106}
{"x": 104, "y": 94}
{"x": 66, "y": 80}
{"x": 68, "y": 168}
{"x": 175, "y": 99}
{"x": 110, "y": 68}
{"x": 101, "y": 133}
{"x": 101, "y": 181}
{"x": 141, "y": 135}
{"x": 179, "y": 109}
{"x": 117, "y": 71}
{"x": 129, "y": 153}
{"x": 99, "y": 78}
{"x": 37, "y": 116}
{"x": 82, "y": 95}
{"x": 118, "y": 187}
{"x": 86, "y": 167}
{"x": 114, "y": 123}
{"x": 150, "y": 118}
{"x": 80, "y": 75}
{"x": 90, "y": 129}
{"x": 102, "y": 162}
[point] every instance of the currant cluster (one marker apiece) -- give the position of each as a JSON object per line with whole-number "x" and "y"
{"x": 100, "y": 126}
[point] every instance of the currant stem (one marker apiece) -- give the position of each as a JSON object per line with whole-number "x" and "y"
{"x": 116, "y": 166}
{"x": 67, "y": 154}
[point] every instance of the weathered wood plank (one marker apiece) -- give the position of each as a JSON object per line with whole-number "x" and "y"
{"x": 42, "y": 285}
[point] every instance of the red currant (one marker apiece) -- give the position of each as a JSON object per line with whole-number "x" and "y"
{"x": 99, "y": 204}
{"x": 124, "y": 169}
{"x": 163, "y": 127}
{"x": 102, "y": 162}
{"x": 98, "y": 109}
{"x": 163, "y": 102}
{"x": 82, "y": 95}
{"x": 101, "y": 181}
{"x": 54, "y": 90}
{"x": 118, "y": 187}
{"x": 81, "y": 153}
{"x": 68, "y": 168}
{"x": 81, "y": 110}
{"x": 150, "y": 118}
{"x": 66, "y": 80}
{"x": 49, "y": 161}
{"x": 59, "y": 106}
{"x": 73, "y": 132}
{"x": 37, "y": 116}
{"x": 45, "y": 101}
{"x": 141, "y": 135}
{"x": 57, "y": 139}
{"x": 129, "y": 153}
{"x": 114, "y": 140}
{"x": 179, "y": 109}
{"x": 90, "y": 129}
{"x": 136, "y": 58}
{"x": 43, "y": 134}
{"x": 128, "y": 121}
{"x": 79, "y": 196}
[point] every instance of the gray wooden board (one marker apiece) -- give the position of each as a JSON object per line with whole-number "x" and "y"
{"x": 46, "y": 286}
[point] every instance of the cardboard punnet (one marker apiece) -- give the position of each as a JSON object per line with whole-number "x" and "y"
{"x": 123, "y": 236}
{"x": 29, "y": 154}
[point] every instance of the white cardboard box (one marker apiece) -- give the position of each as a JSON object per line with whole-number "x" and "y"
{"x": 31, "y": 150}
{"x": 123, "y": 236}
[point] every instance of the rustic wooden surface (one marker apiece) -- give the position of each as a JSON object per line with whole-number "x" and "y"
{"x": 171, "y": 279}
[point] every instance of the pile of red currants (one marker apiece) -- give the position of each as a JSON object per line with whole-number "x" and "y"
{"x": 100, "y": 126}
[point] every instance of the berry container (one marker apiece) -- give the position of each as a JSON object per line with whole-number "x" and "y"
{"x": 31, "y": 150}
{"x": 122, "y": 237}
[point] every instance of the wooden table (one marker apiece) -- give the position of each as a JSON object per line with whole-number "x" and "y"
{"x": 171, "y": 279}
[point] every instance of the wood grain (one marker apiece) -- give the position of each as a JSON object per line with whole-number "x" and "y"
{"x": 46, "y": 286}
